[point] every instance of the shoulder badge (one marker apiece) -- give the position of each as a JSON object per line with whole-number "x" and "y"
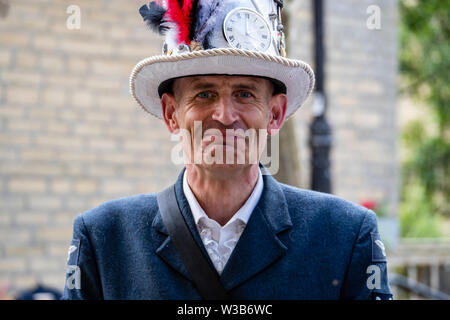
{"x": 73, "y": 253}
{"x": 378, "y": 248}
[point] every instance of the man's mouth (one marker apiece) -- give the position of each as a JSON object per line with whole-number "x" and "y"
{"x": 227, "y": 135}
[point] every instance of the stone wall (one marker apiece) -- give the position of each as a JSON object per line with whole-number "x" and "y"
{"x": 71, "y": 135}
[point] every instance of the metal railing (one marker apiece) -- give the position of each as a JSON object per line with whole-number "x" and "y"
{"x": 421, "y": 268}
{"x": 416, "y": 287}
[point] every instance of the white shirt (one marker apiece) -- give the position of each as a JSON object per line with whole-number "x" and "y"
{"x": 220, "y": 241}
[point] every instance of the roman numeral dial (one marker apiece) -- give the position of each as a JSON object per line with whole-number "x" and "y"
{"x": 246, "y": 29}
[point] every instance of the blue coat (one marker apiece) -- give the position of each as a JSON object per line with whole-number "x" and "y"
{"x": 298, "y": 244}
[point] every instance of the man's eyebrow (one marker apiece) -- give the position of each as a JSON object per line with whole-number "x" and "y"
{"x": 245, "y": 86}
{"x": 203, "y": 86}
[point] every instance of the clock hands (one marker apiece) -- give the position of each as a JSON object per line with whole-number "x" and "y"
{"x": 248, "y": 34}
{"x": 252, "y": 37}
{"x": 243, "y": 29}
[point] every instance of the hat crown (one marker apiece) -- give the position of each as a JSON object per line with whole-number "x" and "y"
{"x": 210, "y": 24}
{"x": 213, "y": 37}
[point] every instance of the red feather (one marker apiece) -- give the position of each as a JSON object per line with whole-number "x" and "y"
{"x": 182, "y": 17}
{"x": 187, "y": 7}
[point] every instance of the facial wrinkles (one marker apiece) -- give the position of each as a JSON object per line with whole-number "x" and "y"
{"x": 251, "y": 114}
{"x": 191, "y": 108}
{"x": 230, "y": 95}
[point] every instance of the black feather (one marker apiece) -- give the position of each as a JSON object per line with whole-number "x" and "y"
{"x": 154, "y": 17}
{"x": 194, "y": 19}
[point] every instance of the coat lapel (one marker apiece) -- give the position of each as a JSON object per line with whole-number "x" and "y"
{"x": 259, "y": 246}
{"x": 167, "y": 250}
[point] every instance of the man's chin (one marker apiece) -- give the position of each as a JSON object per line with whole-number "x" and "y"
{"x": 221, "y": 168}
{"x": 224, "y": 164}
{"x": 229, "y": 157}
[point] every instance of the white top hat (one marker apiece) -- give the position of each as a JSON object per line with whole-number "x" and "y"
{"x": 218, "y": 37}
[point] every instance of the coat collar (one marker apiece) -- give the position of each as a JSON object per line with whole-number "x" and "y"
{"x": 258, "y": 246}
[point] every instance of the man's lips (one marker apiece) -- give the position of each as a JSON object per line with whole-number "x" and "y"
{"x": 224, "y": 140}
{"x": 226, "y": 134}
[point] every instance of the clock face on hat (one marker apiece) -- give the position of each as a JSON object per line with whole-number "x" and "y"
{"x": 246, "y": 29}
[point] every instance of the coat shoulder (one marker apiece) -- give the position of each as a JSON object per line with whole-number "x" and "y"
{"x": 130, "y": 210}
{"x": 323, "y": 205}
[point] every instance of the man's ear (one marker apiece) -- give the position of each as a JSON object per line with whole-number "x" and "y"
{"x": 277, "y": 113}
{"x": 169, "y": 111}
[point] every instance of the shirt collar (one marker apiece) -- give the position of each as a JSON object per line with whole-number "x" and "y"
{"x": 242, "y": 214}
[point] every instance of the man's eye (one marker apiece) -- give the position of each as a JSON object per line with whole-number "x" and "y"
{"x": 204, "y": 95}
{"x": 245, "y": 94}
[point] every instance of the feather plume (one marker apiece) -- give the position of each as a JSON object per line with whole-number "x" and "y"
{"x": 194, "y": 11}
{"x": 182, "y": 17}
{"x": 189, "y": 9}
{"x": 208, "y": 13}
{"x": 153, "y": 15}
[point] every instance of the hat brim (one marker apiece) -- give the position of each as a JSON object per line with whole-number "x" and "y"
{"x": 149, "y": 73}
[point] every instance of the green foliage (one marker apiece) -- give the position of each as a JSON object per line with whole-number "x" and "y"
{"x": 417, "y": 218}
{"x": 429, "y": 165}
{"x": 425, "y": 54}
{"x": 425, "y": 75}
{"x": 382, "y": 210}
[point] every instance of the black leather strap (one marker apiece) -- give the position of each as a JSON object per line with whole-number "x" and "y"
{"x": 205, "y": 279}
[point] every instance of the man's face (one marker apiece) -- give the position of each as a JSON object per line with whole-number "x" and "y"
{"x": 234, "y": 114}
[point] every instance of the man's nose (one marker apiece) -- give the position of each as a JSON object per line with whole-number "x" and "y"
{"x": 224, "y": 111}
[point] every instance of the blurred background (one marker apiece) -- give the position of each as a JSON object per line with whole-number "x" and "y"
{"x": 376, "y": 131}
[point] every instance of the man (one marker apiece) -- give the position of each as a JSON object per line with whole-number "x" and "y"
{"x": 224, "y": 88}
